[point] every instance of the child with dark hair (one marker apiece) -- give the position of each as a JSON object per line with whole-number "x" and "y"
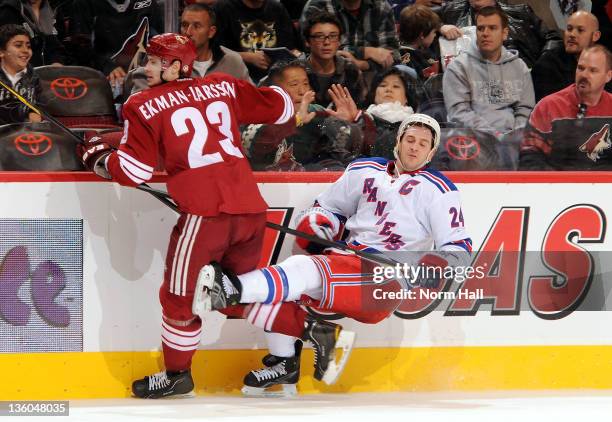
{"x": 322, "y": 34}
{"x": 38, "y": 17}
{"x": 418, "y": 27}
{"x": 16, "y": 72}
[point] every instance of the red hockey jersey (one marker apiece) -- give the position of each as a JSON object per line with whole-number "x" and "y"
{"x": 193, "y": 124}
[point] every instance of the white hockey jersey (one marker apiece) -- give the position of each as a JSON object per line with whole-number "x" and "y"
{"x": 416, "y": 211}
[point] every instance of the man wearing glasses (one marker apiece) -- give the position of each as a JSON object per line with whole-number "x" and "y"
{"x": 322, "y": 33}
{"x": 570, "y": 129}
{"x": 369, "y": 38}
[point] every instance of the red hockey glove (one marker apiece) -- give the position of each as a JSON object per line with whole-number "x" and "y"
{"x": 92, "y": 151}
{"x": 318, "y": 222}
{"x": 431, "y": 271}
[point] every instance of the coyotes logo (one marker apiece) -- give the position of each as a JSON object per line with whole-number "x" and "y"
{"x": 284, "y": 159}
{"x": 134, "y": 48}
{"x": 597, "y": 143}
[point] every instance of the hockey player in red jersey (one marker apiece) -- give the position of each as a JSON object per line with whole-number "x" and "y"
{"x": 399, "y": 208}
{"x": 194, "y": 125}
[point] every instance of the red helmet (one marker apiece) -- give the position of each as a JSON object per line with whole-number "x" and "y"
{"x": 170, "y": 47}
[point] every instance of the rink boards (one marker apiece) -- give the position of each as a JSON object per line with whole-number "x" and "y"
{"x": 83, "y": 259}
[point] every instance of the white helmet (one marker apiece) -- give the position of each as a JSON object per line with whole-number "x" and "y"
{"x": 417, "y": 119}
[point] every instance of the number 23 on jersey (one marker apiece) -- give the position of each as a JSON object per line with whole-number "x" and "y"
{"x": 217, "y": 113}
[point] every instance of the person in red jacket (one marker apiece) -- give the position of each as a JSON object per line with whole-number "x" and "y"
{"x": 570, "y": 129}
{"x": 194, "y": 125}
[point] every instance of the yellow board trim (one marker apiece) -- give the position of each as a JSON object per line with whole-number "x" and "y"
{"x": 54, "y": 376}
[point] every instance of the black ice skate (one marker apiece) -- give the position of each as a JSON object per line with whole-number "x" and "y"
{"x": 279, "y": 372}
{"x": 215, "y": 289}
{"x": 162, "y": 384}
{"x": 326, "y": 337}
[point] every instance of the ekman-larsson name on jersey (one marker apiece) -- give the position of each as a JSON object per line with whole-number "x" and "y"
{"x": 180, "y": 96}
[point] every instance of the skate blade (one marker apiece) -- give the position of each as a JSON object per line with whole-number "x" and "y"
{"x": 345, "y": 342}
{"x": 189, "y": 395}
{"x": 286, "y": 391}
{"x": 202, "y": 302}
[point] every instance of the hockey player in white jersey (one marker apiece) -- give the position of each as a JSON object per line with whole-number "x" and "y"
{"x": 387, "y": 207}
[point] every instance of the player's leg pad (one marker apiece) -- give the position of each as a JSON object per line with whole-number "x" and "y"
{"x": 164, "y": 385}
{"x": 327, "y": 338}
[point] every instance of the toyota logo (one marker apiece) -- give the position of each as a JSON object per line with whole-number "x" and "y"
{"x": 68, "y": 88}
{"x": 33, "y": 144}
{"x": 463, "y": 147}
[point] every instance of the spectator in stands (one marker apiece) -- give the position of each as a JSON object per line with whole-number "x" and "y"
{"x": 198, "y": 22}
{"x": 392, "y": 100}
{"x": 602, "y": 9}
{"x": 320, "y": 143}
{"x": 369, "y": 37}
{"x": 399, "y": 5}
{"x": 247, "y": 26}
{"x": 17, "y": 73}
{"x": 38, "y": 19}
{"x": 526, "y": 32}
{"x": 556, "y": 68}
{"x": 418, "y": 27}
{"x": 570, "y": 129}
{"x": 322, "y": 34}
{"x": 488, "y": 87}
{"x": 113, "y": 35}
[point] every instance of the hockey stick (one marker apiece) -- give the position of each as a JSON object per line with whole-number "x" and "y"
{"x": 162, "y": 196}
{"x": 379, "y": 259}
{"x": 375, "y": 258}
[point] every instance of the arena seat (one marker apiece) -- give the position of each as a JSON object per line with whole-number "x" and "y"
{"x": 36, "y": 147}
{"x": 80, "y": 97}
